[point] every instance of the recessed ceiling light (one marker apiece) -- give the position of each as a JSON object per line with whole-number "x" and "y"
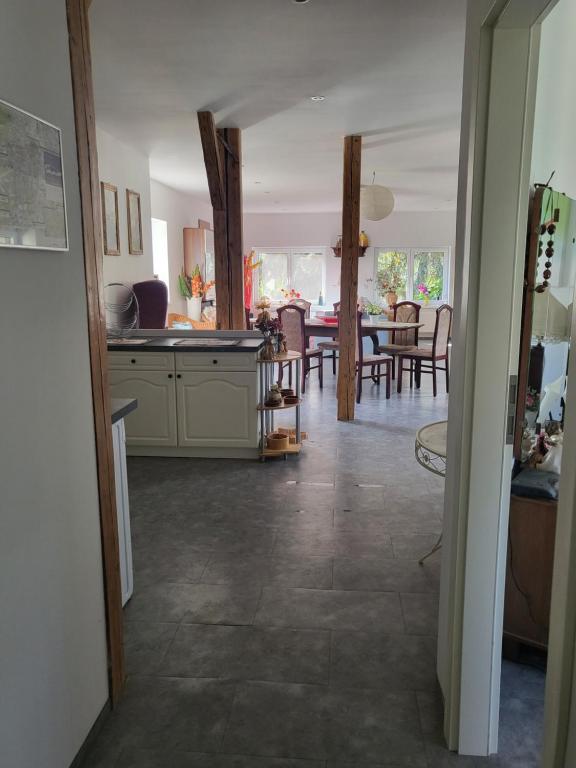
{"x": 317, "y": 98}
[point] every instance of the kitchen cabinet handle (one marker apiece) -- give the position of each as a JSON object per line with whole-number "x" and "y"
{"x": 132, "y": 361}
{"x": 178, "y": 375}
{"x": 169, "y": 375}
{"x": 215, "y": 362}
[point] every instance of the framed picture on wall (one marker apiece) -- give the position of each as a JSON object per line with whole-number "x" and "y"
{"x": 110, "y": 225}
{"x": 134, "y": 216}
{"x": 32, "y": 195}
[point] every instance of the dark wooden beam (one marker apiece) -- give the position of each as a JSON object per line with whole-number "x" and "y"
{"x": 81, "y": 69}
{"x": 233, "y": 146}
{"x": 212, "y": 160}
{"x": 221, "y": 272}
{"x": 347, "y": 328}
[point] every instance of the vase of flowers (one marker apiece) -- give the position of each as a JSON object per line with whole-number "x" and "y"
{"x": 423, "y": 292}
{"x": 269, "y": 327}
{"x": 291, "y": 294}
{"x": 193, "y": 289}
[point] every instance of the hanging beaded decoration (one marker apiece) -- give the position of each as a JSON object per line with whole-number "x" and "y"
{"x": 551, "y": 218}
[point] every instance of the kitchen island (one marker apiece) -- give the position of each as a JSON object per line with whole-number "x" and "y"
{"x": 197, "y": 392}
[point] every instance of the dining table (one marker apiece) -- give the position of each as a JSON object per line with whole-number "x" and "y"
{"x": 317, "y": 328}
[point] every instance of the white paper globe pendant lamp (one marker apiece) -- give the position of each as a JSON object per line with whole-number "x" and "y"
{"x": 376, "y": 201}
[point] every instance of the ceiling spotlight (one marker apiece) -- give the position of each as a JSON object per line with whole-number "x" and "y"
{"x": 317, "y": 98}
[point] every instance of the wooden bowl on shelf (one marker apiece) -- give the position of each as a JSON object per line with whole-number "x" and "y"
{"x": 287, "y": 393}
{"x": 291, "y": 400}
{"x": 276, "y": 441}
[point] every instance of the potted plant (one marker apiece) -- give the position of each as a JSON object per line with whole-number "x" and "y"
{"x": 193, "y": 289}
{"x": 388, "y": 288}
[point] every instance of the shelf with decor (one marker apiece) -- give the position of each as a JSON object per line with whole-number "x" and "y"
{"x": 283, "y": 441}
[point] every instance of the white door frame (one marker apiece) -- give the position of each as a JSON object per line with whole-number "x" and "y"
{"x": 497, "y": 126}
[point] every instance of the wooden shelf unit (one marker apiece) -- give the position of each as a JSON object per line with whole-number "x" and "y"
{"x": 267, "y": 411}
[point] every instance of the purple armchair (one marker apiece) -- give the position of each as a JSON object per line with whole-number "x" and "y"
{"x": 152, "y": 298}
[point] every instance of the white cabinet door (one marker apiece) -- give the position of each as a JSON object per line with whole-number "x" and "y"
{"x": 217, "y": 409}
{"x": 154, "y": 421}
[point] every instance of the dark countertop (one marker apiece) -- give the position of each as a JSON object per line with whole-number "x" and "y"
{"x": 163, "y": 344}
{"x": 121, "y": 407}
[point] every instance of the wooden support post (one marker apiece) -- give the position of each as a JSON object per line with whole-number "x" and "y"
{"x": 221, "y": 274}
{"x": 223, "y": 160}
{"x": 234, "y": 226}
{"x": 212, "y": 159}
{"x": 347, "y": 329}
{"x": 81, "y": 70}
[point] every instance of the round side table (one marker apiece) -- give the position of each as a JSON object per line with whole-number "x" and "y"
{"x": 430, "y": 452}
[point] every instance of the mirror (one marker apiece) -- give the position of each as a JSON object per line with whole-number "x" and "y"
{"x": 549, "y": 280}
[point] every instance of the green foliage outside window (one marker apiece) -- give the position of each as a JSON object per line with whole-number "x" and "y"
{"x": 392, "y": 272}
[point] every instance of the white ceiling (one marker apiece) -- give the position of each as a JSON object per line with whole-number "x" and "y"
{"x": 390, "y": 70}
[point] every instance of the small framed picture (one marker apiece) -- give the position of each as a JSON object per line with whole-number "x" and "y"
{"x": 134, "y": 216}
{"x": 110, "y": 225}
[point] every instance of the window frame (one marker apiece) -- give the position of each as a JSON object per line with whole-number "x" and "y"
{"x": 289, "y": 251}
{"x": 410, "y": 251}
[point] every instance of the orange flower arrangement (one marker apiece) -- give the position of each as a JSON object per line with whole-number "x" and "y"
{"x": 192, "y": 286}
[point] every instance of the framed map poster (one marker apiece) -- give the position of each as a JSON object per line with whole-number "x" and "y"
{"x": 32, "y": 195}
{"x": 134, "y": 216}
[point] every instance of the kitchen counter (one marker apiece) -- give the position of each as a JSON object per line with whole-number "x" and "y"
{"x": 200, "y": 344}
{"x": 122, "y": 406}
{"x": 195, "y": 399}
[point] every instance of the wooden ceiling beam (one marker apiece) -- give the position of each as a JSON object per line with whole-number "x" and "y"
{"x": 212, "y": 160}
{"x": 347, "y": 326}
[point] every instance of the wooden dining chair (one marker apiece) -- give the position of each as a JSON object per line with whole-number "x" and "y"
{"x": 402, "y": 341}
{"x": 306, "y": 305}
{"x": 292, "y": 320}
{"x": 426, "y": 359}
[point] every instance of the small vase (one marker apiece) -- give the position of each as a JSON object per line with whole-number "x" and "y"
{"x": 391, "y": 298}
{"x": 268, "y": 352}
{"x": 194, "y": 308}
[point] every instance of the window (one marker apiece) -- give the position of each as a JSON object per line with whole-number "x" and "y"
{"x": 415, "y": 274}
{"x": 160, "y": 251}
{"x": 300, "y": 269}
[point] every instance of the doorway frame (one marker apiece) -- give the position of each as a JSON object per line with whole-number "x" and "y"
{"x": 89, "y": 178}
{"x": 500, "y": 80}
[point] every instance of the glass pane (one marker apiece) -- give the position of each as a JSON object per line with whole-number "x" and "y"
{"x": 428, "y": 275}
{"x": 307, "y": 275}
{"x": 160, "y": 251}
{"x": 392, "y": 273}
{"x": 272, "y": 275}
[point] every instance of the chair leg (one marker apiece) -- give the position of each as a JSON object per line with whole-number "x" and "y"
{"x": 359, "y": 385}
{"x": 418, "y": 373}
{"x": 399, "y": 374}
{"x": 304, "y": 374}
{"x": 394, "y": 367}
{"x": 321, "y": 371}
{"x": 434, "y": 385}
{"x": 411, "y": 373}
{"x": 447, "y": 376}
{"x": 388, "y": 379}
{"x": 334, "y": 362}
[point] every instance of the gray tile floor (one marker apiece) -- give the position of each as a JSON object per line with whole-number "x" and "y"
{"x": 280, "y": 618}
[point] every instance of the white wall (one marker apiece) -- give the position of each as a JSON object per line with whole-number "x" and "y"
{"x": 126, "y": 168}
{"x": 179, "y": 211}
{"x": 52, "y": 631}
{"x": 555, "y": 119}
{"x": 418, "y": 229}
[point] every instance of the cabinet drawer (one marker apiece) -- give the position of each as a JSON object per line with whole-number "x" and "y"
{"x": 214, "y": 361}
{"x": 149, "y": 361}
